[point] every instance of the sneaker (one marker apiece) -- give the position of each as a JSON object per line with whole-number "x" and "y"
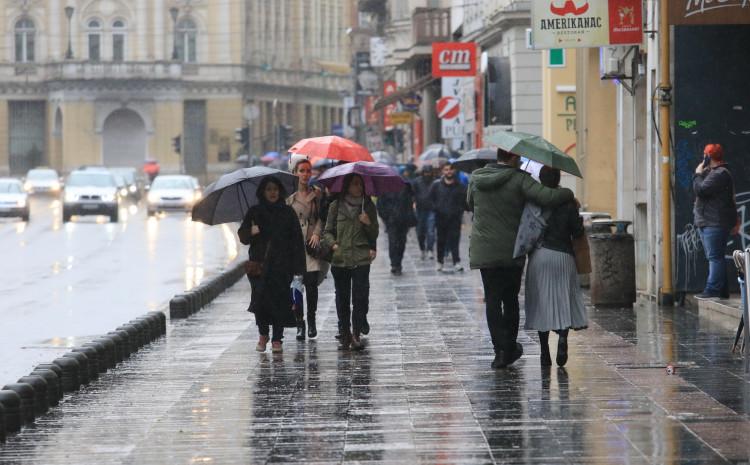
{"x": 440, "y": 267}
{"x": 276, "y": 347}
{"x": 356, "y": 343}
{"x": 706, "y": 296}
{"x": 424, "y": 255}
{"x": 301, "y": 330}
{"x": 458, "y": 268}
{"x": 345, "y": 341}
{"x": 396, "y": 271}
{"x": 262, "y": 343}
{"x": 430, "y": 255}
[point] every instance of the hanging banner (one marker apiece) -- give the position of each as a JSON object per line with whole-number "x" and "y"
{"x": 586, "y": 23}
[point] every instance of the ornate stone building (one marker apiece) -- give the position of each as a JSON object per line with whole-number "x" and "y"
{"x": 116, "y": 82}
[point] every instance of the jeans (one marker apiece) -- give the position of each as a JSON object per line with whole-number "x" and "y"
{"x": 715, "y": 244}
{"x": 448, "y": 236}
{"x": 352, "y": 287}
{"x": 310, "y": 280}
{"x": 501, "y": 288}
{"x": 426, "y": 229}
{"x": 397, "y": 243}
{"x": 278, "y": 332}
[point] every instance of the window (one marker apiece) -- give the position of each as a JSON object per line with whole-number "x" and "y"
{"x": 187, "y": 34}
{"x": 25, "y": 33}
{"x": 118, "y": 41}
{"x": 95, "y": 40}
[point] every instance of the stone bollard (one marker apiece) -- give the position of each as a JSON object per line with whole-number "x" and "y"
{"x": 110, "y": 351}
{"x": 120, "y": 338}
{"x": 2, "y": 423}
{"x": 101, "y": 355}
{"x": 27, "y": 394}
{"x": 134, "y": 337}
{"x": 39, "y": 384}
{"x": 55, "y": 368}
{"x": 179, "y": 307}
{"x": 162, "y": 320}
{"x": 93, "y": 361}
{"x": 12, "y": 403}
{"x": 83, "y": 363}
{"x": 54, "y": 389}
{"x": 144, "y": 327}
{"x": 70, "y": 368}
{"x": 153, "y": 325}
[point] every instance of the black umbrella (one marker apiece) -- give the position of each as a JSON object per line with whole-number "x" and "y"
{"x": 229, "y": 198}
{"x": 474, "y": 159}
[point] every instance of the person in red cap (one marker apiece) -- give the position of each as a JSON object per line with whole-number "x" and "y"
{"x": 715, "y": 213}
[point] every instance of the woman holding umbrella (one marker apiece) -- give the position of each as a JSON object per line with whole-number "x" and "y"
{"x": 271, "y": 228}
{"x": 351, "y": 232}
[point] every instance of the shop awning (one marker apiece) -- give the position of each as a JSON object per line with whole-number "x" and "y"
{"x": 416, "y": 86}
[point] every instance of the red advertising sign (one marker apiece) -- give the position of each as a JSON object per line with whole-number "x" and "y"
{"x": 454, "y": 59}
{"x": 389, "y": 87}
{"x": 448, "y": 107}
{"x": 625, "y": 23}
{"x": 371, "y": 116}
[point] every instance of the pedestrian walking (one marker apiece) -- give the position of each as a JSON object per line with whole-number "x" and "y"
{"x": 715, "y": 213}
{"x": 425, "y": 211}
{"x": 351, "y": 231}
{"x": 448, "y": 198}
{"x": 553, "y": 298}
{"x": 397, "y": 211}
{"x": 272, "y": 230}
{"x": 306, "y": 204}
{"x": 497, "y": 194}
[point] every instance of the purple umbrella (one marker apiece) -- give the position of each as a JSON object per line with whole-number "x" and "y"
{"x": 379, "y": 178}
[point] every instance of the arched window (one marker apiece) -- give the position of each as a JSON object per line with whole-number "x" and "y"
{"x": 95, "y": 39}
{"x": 118, "y": 40}
{"x": 25, "y": 35}
{"x": 187, "y": 35}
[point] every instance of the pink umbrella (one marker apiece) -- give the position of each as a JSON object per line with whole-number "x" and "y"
{"x": 333, "y": 147}
{"x": 378, "y": 178}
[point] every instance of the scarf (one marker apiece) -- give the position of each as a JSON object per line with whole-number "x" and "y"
{"x": 352, "y": 205}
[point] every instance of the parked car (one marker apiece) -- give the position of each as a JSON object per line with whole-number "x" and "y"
{"x": 91, "y": 192}
{"x": 172, "y": 192}
{"x": 132, "y": 183}
{"x": 42, "y": 181}
{"x": 14, "y": 201}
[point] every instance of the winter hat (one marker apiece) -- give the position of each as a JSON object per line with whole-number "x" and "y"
{"x": 714, "y": 151}
{"x": 294, "y": 159}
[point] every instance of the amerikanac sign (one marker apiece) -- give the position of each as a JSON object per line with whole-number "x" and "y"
{"x": 586, "y": 23}
{"x": 454, "y": 59}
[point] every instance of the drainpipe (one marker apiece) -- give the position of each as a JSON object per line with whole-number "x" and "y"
{"x": 666, "y": 294}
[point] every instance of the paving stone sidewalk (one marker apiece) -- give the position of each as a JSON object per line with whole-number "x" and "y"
{"x": 421, "y": 392}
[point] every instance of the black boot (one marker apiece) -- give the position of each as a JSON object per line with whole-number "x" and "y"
{"x": 562, "y": 348}
{"x": 300, "y": 330}
{"x": 365, "y": 326}
{"x": 312, "y": 330}
{"x": 545, "y": 358}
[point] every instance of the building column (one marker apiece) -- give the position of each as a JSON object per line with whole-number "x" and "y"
{"x": 159, "y": 29}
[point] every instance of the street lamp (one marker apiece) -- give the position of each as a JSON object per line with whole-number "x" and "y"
{"x": 69, "y": 52}
{"x": 173, "y": 13}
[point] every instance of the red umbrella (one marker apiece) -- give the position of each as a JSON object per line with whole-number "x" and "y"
{"x": 333, "y": 147}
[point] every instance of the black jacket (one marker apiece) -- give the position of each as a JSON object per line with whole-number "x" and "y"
{"x": 714, "y": 199}
{"x": 448, "y": 200}
{"x": 421, "y": 187}
{"x": 564, "y": 224}
{"x": 397, "y": 208}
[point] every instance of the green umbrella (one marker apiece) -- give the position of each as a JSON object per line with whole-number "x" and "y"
{"x": 535, "y": 148}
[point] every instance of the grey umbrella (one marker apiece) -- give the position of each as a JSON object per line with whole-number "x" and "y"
{"x": 474, "y": 159}
{"x": 229, "y": 198}
{"x": 434, "y": 154}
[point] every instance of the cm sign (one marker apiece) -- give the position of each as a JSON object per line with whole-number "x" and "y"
{"x": 454, "y": 59}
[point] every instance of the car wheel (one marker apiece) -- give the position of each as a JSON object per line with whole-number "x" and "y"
{"x": 66, "y": 216}
{"x": 25, "y": 216}
{"x": 114, "y": 217}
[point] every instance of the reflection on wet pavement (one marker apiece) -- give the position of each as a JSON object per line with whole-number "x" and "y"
{"x": 421, "y": 391}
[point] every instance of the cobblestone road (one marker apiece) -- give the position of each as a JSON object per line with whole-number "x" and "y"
{"x": 422, "y": 391}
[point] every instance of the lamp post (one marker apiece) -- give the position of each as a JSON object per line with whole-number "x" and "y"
{"x": 173, "y": 13}
{"x": 69, "y": 15}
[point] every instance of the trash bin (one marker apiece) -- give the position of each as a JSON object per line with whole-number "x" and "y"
{"x": 588, "y": 217}
{"x": 612, "y": 264}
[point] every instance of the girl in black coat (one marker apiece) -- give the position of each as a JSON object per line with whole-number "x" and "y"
{"x": 272, "y": 230}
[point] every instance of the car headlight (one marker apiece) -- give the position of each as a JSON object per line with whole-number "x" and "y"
{"x": 55, "y": 186}
{"x": 21, "y": 203}
{"x": 27, "y": 186}
{"x": 108, "y": 197}
{"x": 153, "y": 197}
{"x": 123, "y": 192}
{"x": 132, "y": 189}
{"x": 197, "y": 196}
{"x": 70, "y": 197}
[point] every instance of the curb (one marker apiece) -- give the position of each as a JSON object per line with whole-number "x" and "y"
{"x": 189, "y": 302}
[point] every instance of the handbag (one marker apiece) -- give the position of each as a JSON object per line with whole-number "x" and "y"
{"x": 254, "y": 268}
{"x": 582, "y": 254}
{"x": 530, "y": 229}
{"x": 325, "y": 251}
{"x": 313, "y": 251}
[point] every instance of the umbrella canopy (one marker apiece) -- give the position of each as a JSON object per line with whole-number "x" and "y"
{"x": 474, "y": 159}
{"x": 379, "y": 178}
{"x": 434, "y": 153}
{"x": 383, "y": 157}
{"x": 535, "y": 148}
{"x": 229, "y": 198}
{"x": 334, "y": 147}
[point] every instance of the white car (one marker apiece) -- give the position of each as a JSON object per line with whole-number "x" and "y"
{"x": 91, "y": 192}
{"x": 42, "y": 181}
{"x": 14, "y": 201}
{"x": 172, "y": 192}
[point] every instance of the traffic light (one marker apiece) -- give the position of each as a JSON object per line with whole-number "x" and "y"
{"x": 177, "y": 143}
{"x": 242, "y": 135}
{"x": 285, "y": 137}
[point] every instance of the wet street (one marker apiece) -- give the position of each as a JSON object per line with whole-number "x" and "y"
{"x": 62, "y": 283}
{"x": 422, "y": 390}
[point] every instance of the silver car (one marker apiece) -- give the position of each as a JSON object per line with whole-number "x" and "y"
{"x": 91, "y": 192}
{"x": 42, "y": 181}
{"x": 172, "y": 192}
{"x": 14, "y": 201}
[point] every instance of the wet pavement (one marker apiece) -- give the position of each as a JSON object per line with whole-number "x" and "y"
{"x": 422, "y": 391}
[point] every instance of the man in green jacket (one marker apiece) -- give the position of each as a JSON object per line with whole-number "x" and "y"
{"x": 497, "y": 194}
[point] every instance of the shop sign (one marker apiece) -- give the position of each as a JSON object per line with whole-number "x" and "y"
{"x": 448, "y": 107}
{"x": 411, "y": 102}
{"x": 454, "y": 59}
{"x": 389, "y": 87}
{"x": 586, "y": 23}
{"x": 401, "y": 117}
{"x": 709, "y": 12}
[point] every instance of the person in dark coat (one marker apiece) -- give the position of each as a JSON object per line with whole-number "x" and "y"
{"x": 272, "y": 230}
{"x": 397, "y": 211}
{"x": 448, "y": 198}
{"x": 425, "y": 213}
{"x": 715, "y": 213}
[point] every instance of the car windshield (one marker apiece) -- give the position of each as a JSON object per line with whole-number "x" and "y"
{"x": 41, "y": 174}
{"x": 172, "y": 183}
{"x": 91, "y": 179}
{"x": 127, "y": 174}
{"x": 8, "y": 187}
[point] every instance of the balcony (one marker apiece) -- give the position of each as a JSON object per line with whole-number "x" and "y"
{"x": 377, "y": 7}
{"x": 431, "y": 25}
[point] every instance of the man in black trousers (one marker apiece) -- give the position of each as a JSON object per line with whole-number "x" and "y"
{"x": 448, "y": 198}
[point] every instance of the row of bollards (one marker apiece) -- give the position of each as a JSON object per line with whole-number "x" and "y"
{"x": 33, "y": 395}
{"x": 189, "y": 302}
